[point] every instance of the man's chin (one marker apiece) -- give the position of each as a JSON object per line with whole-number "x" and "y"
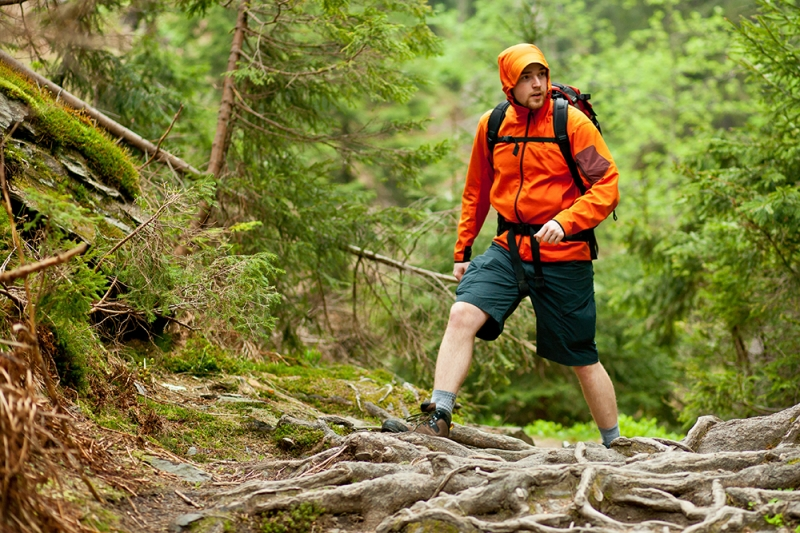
{"x": 535, "y": 103}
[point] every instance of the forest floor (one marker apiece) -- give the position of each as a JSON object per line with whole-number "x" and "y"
{"x": 299, "y": 449}
{"x": 168, "y": 443}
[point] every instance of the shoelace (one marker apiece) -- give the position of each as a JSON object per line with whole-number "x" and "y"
{"x": 420, "y": 418}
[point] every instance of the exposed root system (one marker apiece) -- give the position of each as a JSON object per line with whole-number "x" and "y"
{"x": 725, "y": 476}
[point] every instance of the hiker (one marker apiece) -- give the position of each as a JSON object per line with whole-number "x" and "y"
{"x": 525, "y": 176}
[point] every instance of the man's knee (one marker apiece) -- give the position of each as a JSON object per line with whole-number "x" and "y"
{"x": 589, "y": 371}
{"x": 466, "y": 317}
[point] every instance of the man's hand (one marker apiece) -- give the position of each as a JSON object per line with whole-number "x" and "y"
{"x": 459, "y": 269}
{"x": 551, "y": 233}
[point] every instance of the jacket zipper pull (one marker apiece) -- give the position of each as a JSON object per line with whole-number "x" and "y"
{"x": 516, "y": 148}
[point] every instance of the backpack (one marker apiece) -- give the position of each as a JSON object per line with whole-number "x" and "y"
{"x": 563, "y": 96}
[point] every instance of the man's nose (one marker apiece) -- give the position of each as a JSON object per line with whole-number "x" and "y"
{"x": 537, "y": 81}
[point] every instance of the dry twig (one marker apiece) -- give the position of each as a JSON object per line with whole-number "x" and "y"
{"x": 30, "y": 268}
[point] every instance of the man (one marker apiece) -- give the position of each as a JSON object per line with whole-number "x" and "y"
{"x": 528, "y": 182}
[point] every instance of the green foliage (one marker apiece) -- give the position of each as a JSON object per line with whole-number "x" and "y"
{"x": 697, "y": 283}
{"x": 299, "y": 519}
{"x": 628, "y": 427}
{"x": 774, "y": 520}
{"x": 233, "y": 293}
{"x": 200, "y": 357}
{"x": 64, "y": 293}
{"x": 70, "y": 128}
{"x": 735, "y": 252}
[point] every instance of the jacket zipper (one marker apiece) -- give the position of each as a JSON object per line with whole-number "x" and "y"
{"x": 521, "y": 174}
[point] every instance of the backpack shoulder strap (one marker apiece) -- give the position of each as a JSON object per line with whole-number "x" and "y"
{"x": 495, "y": 120}
{"x": 560, "y": 130}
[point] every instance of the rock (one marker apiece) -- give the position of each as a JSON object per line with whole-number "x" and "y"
{"x": 11, "y": 112}
{"x": 253, "y": 424}
{"x": 185, "y": 471}
{"x": 237, "y": 398}
{"x": 710, "y": 434}
{"x": 186, "y": 520}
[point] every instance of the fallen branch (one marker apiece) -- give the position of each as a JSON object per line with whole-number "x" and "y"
{"x": 360, "y": 252}
{"x": 114, "y": 128}
{"x": 188, "y": 500}
{"x": 30, "y": 268}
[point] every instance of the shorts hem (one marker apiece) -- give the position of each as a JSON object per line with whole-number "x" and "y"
{"x": 480, "y": 303}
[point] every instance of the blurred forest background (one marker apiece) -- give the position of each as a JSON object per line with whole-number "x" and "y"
{"x": 346, "y": 126}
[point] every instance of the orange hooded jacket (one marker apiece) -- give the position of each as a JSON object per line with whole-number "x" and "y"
{"x": 536, "y": 186}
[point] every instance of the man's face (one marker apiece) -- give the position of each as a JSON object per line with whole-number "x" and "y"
{"x": 531, "y": 88}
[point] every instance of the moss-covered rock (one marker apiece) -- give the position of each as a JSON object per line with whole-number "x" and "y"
{"x": 42, "y": 172}
{"x": 57, "y": 125}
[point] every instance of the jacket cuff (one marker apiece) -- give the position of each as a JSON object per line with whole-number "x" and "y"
{"x": 564, "y": 225}
{"x": 465, "y": 256}
{"x": 560, "y": 226}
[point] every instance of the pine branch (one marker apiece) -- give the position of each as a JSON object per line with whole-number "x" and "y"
{"x": 360, "y": 252}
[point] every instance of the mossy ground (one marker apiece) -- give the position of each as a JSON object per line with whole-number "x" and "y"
{"x": 201, "y": 398}
{"x": 196, "y": 403}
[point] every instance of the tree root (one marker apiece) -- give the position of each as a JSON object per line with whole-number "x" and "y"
{"x": 410, "y": 482}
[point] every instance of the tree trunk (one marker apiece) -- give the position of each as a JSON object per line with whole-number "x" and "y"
{"x": 219, "y": 148}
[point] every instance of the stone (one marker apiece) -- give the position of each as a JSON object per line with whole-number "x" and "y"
{"x": 185, "y": 471}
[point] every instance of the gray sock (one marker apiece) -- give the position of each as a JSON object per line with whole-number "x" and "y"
{"x": 443, "y": 400}
{"x": 609, "y": 435}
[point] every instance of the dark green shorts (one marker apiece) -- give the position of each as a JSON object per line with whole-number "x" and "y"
{"x": 565, "y": 308}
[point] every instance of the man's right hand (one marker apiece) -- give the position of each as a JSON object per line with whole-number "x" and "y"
{"x": 459, "y": 269}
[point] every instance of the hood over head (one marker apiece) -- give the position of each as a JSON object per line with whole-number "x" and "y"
{"x": 513, "y": 60}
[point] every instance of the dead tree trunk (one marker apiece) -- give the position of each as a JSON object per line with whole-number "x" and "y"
{"x": 114, "y": 128}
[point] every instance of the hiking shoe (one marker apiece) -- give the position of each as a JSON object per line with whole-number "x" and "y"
{"x": 431, "y": 421}
{"x": 393, "y": 425}
{"x": 436, "y": 423}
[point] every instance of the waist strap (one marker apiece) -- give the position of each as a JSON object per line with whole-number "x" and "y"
{"x": 519, "y": 228}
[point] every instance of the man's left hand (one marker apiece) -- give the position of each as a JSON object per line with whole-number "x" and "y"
{"x": 551, "y": 233}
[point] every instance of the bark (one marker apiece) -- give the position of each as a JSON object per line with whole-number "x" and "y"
{"x": 409, "y": 482}
{"x": 219, "y": 147}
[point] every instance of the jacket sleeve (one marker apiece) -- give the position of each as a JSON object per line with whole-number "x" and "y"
{"x": 475, "y": 199}
{"x": 599, "y": 173}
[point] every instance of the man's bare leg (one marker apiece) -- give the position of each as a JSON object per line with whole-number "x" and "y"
{"x": 452, "y": 367}
{"x": 599, "y": 394}
{"x": 455, "y": 352}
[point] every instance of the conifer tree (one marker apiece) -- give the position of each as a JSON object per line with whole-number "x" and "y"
{"x": 738, "y": 251}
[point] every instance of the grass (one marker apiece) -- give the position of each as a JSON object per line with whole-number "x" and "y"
{"x": 582, "y": 432}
